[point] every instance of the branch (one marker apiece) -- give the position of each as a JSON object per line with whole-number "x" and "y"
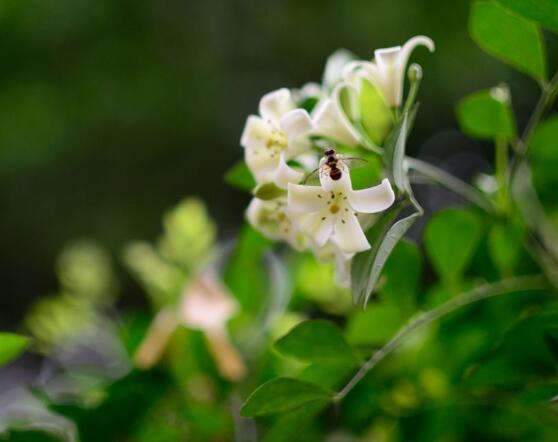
{"x": 484, "y": 291}
{"x": 545, "y": 101}
{"x": 450, "y": 182}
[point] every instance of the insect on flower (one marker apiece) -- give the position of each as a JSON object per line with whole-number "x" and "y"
{"x": 333, "y": 165}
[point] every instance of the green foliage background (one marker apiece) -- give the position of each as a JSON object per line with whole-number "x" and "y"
{"x": 112, "y": 112}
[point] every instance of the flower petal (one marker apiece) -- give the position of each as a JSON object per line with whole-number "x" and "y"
{"x": 334, "y": 67}
{"x": 305, "y": 199}
{"x": 343, "y": 263}
{"x": 256, "y": 132}
{"x": 342, "y": 184}
{"x": 411, "y": 44}
{"x": 392, "y": 62}
{"x": 374, "y": 199}
{"x": 318, "y": 226}
{"x": 348, "y": 234}
{"x": 286, "y": 174}
{"x": 330, "y": 120}
{"x": 274, "y": 105}
{"x": 296, "y": 123}
{"x": 262, "y": 162}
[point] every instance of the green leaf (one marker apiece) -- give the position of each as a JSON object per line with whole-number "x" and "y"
{"x": 376, "y": 115}
{"x": 240, "y": 177}
{"x": 367, "y": 266}
{"x": 268, "y": 191}
{"x": 487, "y": 114}
{"x": 282, "y": 394}
{"x": 315, "y": 340}
{"x": 401, "y": 276}
{"x": 543, "y": 11}
{"x": 11, "y": 346}
{"x": 375, "y": 325}
{"x": 328, "y": 374}
{"x": 451, "y": 238}
{"x": 509, "y": 37}
{"x": 505, "y": 246}
{"x": 551, "y": 339}
{"x": 288, "y": 427}
{"x": 385, "y": 234}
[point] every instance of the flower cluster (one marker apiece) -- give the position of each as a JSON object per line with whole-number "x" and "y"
{"x": 298, "y": 134}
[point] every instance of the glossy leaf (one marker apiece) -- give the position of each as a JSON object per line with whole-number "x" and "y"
{"x": 281, "y": 395}
{"x": 543, "y": 11}
{"x": 315, "y": 340}
{"x": 11, "y": 346}
{"x": 487, "y": 114}
{"x": 509, "y": 37}
{"x": 451, "y": 237}
{"x": 288, "y": 427}
{"x": 367, "y": 266}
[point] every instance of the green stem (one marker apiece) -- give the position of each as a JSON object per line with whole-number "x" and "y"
{"x": 452, "y": 183}
{"x": 485, "y": 291}
{"x": 545, "y": 101}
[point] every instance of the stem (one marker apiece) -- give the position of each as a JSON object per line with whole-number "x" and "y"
{"x": 545, "y": 100}
{"x": 450, "y": 182}
{"x": 423, "y": 319}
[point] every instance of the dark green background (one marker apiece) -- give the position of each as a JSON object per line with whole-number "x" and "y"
{"x": 113, "y": 110}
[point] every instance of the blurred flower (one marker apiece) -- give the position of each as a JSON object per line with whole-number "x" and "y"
{"x": 332, "y": 209}
{"x": 207, "y": 306}
{"x": 387, "y": 70}
{"x": 272, "y": 220}
{"x": 278, "y": 134}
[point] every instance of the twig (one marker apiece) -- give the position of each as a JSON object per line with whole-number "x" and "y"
{"x": 443, "y": 178}
{"x": 482, "y": 292}
{"x": 545, "y": 100}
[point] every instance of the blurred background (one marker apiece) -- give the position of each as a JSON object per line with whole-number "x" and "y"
{"x": 111, "y": 111}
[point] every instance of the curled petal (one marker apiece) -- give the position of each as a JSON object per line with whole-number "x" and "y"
{"x": 392, "y": 63}
{"x": 286, "y": 174}
{"x": 305, "y": 199}
{"x": 330, "y": 120}
{"x": 296, "y": 123}
{"x": 374, "y": 199}
{"x": 411, "y": 44}
{"x": 274, "y": 105}
{"x": 348, "y": 235}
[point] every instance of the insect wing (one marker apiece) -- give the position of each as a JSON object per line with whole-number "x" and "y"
{"x": 354, "y": 162}
{"x": 313, "y": 178}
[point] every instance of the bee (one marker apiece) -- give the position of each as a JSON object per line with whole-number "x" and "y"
{"x": 334, "y": 165}
{"x": 332, "y": 161}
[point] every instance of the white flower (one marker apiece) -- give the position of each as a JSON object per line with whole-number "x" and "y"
{"x": 331, "y": 210}
{"x": 330, "y": 252}
{"x": 278, "y": 134}
{"x": 329, "y": 118}
{"x": 271, "y": 219}
{"x": 387, "y": 70}
{"x": 207, "y": 305}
